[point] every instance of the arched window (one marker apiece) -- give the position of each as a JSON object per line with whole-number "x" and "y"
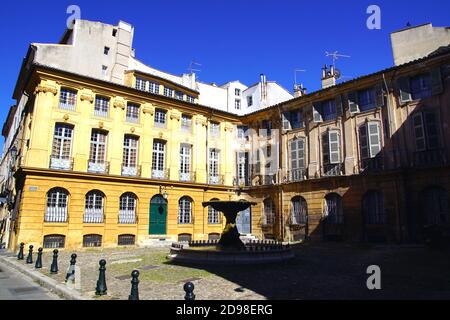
{"x": 92, "y": 240}
{"x": 436, "y": 206}
{"x": 93, "y": 210}
{"x": 373, "y": 208}
{"x": 185, "y": 210}
{"x": 269, "y": 211}
{"x": 333, "y": 209}
{"x": 213, "y": 236}
{"x": 213, "y": 214}
{"x": 57, "y": 200}
{"x": 299, "y": 211}
{"x": 127, "y": 209}
{"x": 52, "y": 241}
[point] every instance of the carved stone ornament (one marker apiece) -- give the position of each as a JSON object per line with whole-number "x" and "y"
{"x": 175, "y": 115}
{"x": 45, "y": 87}
{"x": 132, "y": 129}
{"x": 148, "y": 108}
{"x": 201, "y": 120}
{"x": 101, "y": 124}
{"x": 119, "y": 103}
{"x": 66, "y": 117}
{"x": 87, "y": 96}
{"x": 229, "y": 127}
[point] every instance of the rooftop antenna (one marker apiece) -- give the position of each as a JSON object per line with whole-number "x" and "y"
{"x": 295, "y": 75}
{"x": 335, "y": 56}
{"x": 192, "y": 64}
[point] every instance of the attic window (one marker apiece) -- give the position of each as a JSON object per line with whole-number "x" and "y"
{"x": 106, "y": 50}
{"x": 114, "y": 32}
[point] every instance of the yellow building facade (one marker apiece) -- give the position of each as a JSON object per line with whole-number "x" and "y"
{"x": 38, "y": 176}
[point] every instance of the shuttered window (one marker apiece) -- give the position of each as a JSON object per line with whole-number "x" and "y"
{"x": 425, "y": 130}
{"x": 298, "y": 154}
{"x": 363, "y": 142}
{"x": 331, "y": 147}
{"x": 374, "y": 138}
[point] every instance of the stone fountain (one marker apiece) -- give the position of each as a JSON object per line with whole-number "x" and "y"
{"x": 229, "y": 249}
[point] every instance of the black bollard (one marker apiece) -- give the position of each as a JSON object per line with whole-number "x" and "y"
{"x": 189, "y": 289}
{"x": 71, "y": 272}
{"x": 20, "y": 255}
{"x": 30, "y": 255}
{"x": 54, "y": 266}
{"x": 38, "y": 264}
{"x": 134, "y": 295}
{"x": 101, "y": 289}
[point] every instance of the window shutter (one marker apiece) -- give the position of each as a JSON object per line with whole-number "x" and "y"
{"x": 339, "y": 110}
{"x": 294, "y": 153}
{"x": 317, "y": 117}
{"x": 334, "y": 147}
{"x": 431, "y": 130}
{"x": 419, "y": 132}
{"x": 286, "y": 120}
{"x": 405, "y": 90}
{"x": 353, "y": 102}
{"x": 301, "y": 153}
{"x": 374, "y": 138}
{"x": 363, "y": 142}
{"x": 436, "y": 81}
{"x": 325, "y": 149}
{"x": 379, "y": 96}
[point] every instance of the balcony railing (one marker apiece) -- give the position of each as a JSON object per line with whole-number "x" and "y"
{"x": 372, "y": 164}
{"x": 98, "y": 166}
{"x": 56, "y": 214}
{"x": 241, "y": 181}
{"x": 127, "y": 217}
{"x": 67, "y": 106}
{"x": 93, "y": 215}
{"x": 216, "y": 179}
{"x": 134, "y": 171}
{"x": 429, "y": 158}
{"x": 160, "y": 174}
{"x": 100, "y": 113}
{"x": 187, "y": 176}
{"x": 264, "y": 180}
{"x": 61, "y": 163}
{"x": 296, "y": 175}
{"x": 132, "y": 119}
{"x": 331, "y": 170}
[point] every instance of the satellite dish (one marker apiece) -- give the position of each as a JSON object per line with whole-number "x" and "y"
{"x": 337, "y": 73}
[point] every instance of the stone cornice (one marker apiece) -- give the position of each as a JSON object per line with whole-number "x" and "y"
{"x": 45, "y": 88}
{"x": 119, "y": 102}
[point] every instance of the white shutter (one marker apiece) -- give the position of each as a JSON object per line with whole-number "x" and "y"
{"x": 405, "y": 90}
{"x": 373, "y": 131}
{"x": 301, "y": 153}
{"x": 286, "y": 120}
{"x": 353, "y": 102}
{"x": 317, "y": 117}
{"x": 333, "y": 142}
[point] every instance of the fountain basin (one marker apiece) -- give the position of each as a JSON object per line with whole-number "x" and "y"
{"x": 252, "y": 253}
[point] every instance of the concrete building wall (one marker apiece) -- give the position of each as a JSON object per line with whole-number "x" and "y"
{"x": 417, "y": 42}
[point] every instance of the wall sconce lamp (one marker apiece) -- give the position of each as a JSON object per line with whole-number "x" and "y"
{"x": 163, "y": 192}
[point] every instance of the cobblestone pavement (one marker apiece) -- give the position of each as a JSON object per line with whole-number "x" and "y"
{"x": 319, "y": 271}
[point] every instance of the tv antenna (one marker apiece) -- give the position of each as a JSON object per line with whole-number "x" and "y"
{"x": 191, "y": 67}
{"x": 295, "y": 75}
{"x": 335, "y": 55}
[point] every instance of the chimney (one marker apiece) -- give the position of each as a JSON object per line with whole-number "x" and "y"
{"x": 299, "y": 91}
{"x": 328, "y": 77}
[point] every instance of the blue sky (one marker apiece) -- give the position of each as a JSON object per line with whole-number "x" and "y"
{"x": 231, "y": 39}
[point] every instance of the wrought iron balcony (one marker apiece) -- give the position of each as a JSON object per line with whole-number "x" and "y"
{"x": 331, "y": 170}
{"x": 162, "y": 174}
{"x": 216, "y": 179}
{"x": 371, "y": 164}
{"x": 297, "y": 175}
{"x": 429, "y": 158}
{"x": 100, "y": 113}
{"x": 134, "y": 171}
{"x": 67, "y": 106}
{"x": 56, "y": 214}
{"x": 241, "y": 182}
{"x": 61, "y": 163}
{"x": 264, "y": 179}
{"x": 98, "y": 166}
{"x": 189, "y": 176}
{"x": 93, "y": 215}
{"x": 127, "y": 217}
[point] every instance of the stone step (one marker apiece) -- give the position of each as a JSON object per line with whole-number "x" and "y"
{"x": 156, "y": 242}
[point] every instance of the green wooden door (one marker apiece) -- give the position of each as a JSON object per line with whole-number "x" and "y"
{"x": 158, "y": 215}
